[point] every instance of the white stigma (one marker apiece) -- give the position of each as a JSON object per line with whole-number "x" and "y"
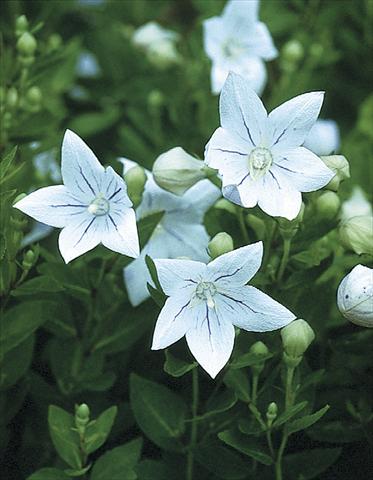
{"x": 99, "y": 206}
{"x": 206, "y": 291}
{"x": 260, "y": 161}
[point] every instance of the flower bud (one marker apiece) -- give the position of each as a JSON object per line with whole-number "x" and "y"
{"x": 135, "y": 179}
{"x": 292, "y": 51}
{"x": 156, "y": 99}
{"x": 12, "y": 98}
{"x": 26, "y": 45}
{"x": 21, "y": 25}
{"x": 33, "y": 99}
{"x": 176, "y": 171}
{"x": 289, "y": 228}
{"x": 271, "y": 413}
{"x": 323, "y": 138}
{"x": 28, "y": 260}
{"x": 355, "y": 296}
{"x": 327, "y": 205}
{"x": 340, "y": 166}
{"x": 296, "y": 338}
{"x": 356, "y": 234}
{"x": 220, "y": 244}
{"x": 356, "y": 205}
{"x": 81, "y": 417}
{"x": 259, "y": 350}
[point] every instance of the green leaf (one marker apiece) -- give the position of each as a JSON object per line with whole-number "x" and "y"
{"x": 289, "y": 413}
{"x": 2, "y": 245}
{"x": 249, "y": 426}
{"x": 158, "y": 297}
{"x": 21, "y": 321}
{"x": 307, "y": 421}
{"x": 176, "y": 367}
{"x": 336, "y": 432}
{"x": 159, "y": 412}
{"x": 48, "y": 474}
{"x": 118, "y": 463}
{"x": 147, "y": 225}
{"x": 16, "y": 362}
{"x": 5, "y": 164}
{"x": 249, "y": 359}
{"x": 153, "y": 272}
{"x": 71, "y": 472}
{"x": 42, "y": 284}
{"x": 98, "y": 430}
{"x": 154, "y": 470}
{"x": 238, "y": 381}
{"x": 220, "y": 403}
{"x": 222, "y": 462}
{"x": 244, "y": 445}
{"x": 310, "y": 463}
{"x": 64, "y": 438}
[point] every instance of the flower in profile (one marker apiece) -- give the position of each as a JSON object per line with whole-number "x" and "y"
{"x": 180, "y": 232}
{"x": 259, "y": 156}
{"x": 323, "y": 138}
{"x": 355, "y": 296}
{"x": 236, "y": 41}
{"x": 158, "y": 43}
{"x": 206, "y": 302}
{"x": 92, "y": 206}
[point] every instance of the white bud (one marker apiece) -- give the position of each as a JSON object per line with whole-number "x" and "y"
{"x": 323, "y": 138}
{"x": 356, "y": 234}
{"x": 355, "y": 296}
{"x": 356, "y": 206}
{"x": 340, "y": 166}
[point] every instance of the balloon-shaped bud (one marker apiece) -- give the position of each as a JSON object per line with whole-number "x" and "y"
{"x": 292, "y": 51}
{"x": 21, "y": 25}
{"x": 323, "y": 138}
{"x": 220, "y": 244}
{"x": 356, "y": 234}
{"x": 26, "y": 45}
{"x": 272, "y": 411}
{"x": 356, "y": 205}
{"x": 135, "y": 179}
{"x": 296, "y": 338}
{"x": 327, "y": 205}
{"x": 340, "y": 166}
{"x": 28, "y": 260}
{"x": 259, "y": 350}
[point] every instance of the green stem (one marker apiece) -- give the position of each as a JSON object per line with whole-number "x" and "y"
{"x": 268, "y": 243}
{"x": 254, "y": 388}
{"x": 193, "y": 429}
{"x": 284, "y": 259}
{"x": 270, "y": 443}
{"x": 241, "y": 221}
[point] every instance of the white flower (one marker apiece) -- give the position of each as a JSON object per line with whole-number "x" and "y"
{"x": 355, "y": 296}
{"x": 179, "y": 233}
{"x": 158, "y": 43}
{"x": 323, "y": 138}
{"x": 356, "y": 206}
{"x": 259, "y": 156}
{"x": 236, "y": 41}
{"x": 206, "y": 302}
{"x": 92, "y": 206}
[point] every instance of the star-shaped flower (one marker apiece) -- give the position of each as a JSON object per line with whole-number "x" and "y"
{"x": 259, "y": 156}
{"x": 180, "y": 233}
{"x": 92, "y": 206}
{"x": 236, "y": 41}
{"x": 206, "y": 302}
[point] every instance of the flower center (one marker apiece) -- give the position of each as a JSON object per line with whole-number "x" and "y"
{"x": 232, "y": 49}
{"x": 100, "y": 206}
{"x": 260, "y": 161}
{"x": 206, "y": 291}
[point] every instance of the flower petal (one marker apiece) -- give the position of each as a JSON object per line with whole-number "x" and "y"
{"x": 242, "y": 111}
{"x": 261, "y": 44}
{"x": 277, "y": 197}
{"x": 114, "y": 189}
{"x": 292, "y": 121}
{"x": 238, "y": 14}
{"x": 323, "y": 138}
{"x": 218, "y": 75}
{"x": 178, "y": 274}
{"x": 53, "y": 206}
{"x": 237, "y": 267}
{"x": 213, "y": 35}
{"x": 82, "y": 234}
{"x": 252, "y": 310}
{"x": 175, "y": 318}
{"x": 120, "y": 232}
{"x": 82, "y": 173}
{"x": 211, "y": 339}
{"x": 303, "y": 169}
{"x": 198, "y": 199}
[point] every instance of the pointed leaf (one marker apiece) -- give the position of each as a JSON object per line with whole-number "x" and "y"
{"x": 98, "y": 430}
{"x": 289, "y": 413}
{"x": 307, "y": 421}
{"x": 64, "y": 438}
{"x": 244, "y": 445}
{"x": 176, "y": 367}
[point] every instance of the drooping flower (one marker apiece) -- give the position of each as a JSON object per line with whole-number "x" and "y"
{"x": 236, "y": 41}
{"x": 323, "y": 138}
{"x": 206, "y": 302}
{"x": 92, "y": 206}
{"x": 259, "y": 156}
{"x": 355, "y": 296}
{"x": 180, "y": 233}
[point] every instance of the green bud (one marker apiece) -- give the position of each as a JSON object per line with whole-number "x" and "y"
{"x": 156, "y": 99}
{"x": 271, "y": 414}
{"x": 260, "y": 350}
{"x": 21, "y": 25}
{"x": 289, "y": 228}
{"x": 28, "y": 260}
{"x": 293, "y": 51}
{"x": 327, "y": 205}
{"x": 356, "y": 234}
{"x": 82, "y": 412}
{"x": 176, "y": 171}
{"x": 296, "y": 338}
{"x": 340, "y": 166}
{"x": 12, "y": 98}
{"x": 26, "y": 45}
{"x": 34, "y": 97}
{"x": 220, "y": 244}
{"x": 135, "y": 179}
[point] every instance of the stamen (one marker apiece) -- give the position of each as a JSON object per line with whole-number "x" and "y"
{"x": 260, "y": 161}
{"x": 99, "y": 206}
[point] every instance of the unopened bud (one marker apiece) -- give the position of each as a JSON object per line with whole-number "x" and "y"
{"x": 327, "y": 205}
{"x": 296, "y": 338}
{"x": 220, "y": 244}
{"x": 323, "y": 138}
{"x": 357, "y": 205}
{"x": 355, "y": 296}
{"x": 28, "y": 260}
{"x": 12, "y": 98}
{"x": 135, "y": 180}
{"x": 260, "y": 350}
{"x": 156, "y": 99}
{"x": 289, "y": 228}
{"x": 26, "y": 45}
{"x": 21, "y": 25}
{"x": 81, "y": 417}
{"x": 176, "y": 171}
{"x": 356, "y": 234}
{"x": 293, "y": 51}
{"x": 340, "y": 166}
{"x": 34, "y": 98}
{"x": 271, "y": 413}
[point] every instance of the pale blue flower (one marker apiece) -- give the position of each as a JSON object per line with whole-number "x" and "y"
{"x": 92, "y": 206}
{"x": 236, "y": 41}
{"x": 180, "y": 233}
{"x": 259, "y": 156}
{"x": 206, "y": 302}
